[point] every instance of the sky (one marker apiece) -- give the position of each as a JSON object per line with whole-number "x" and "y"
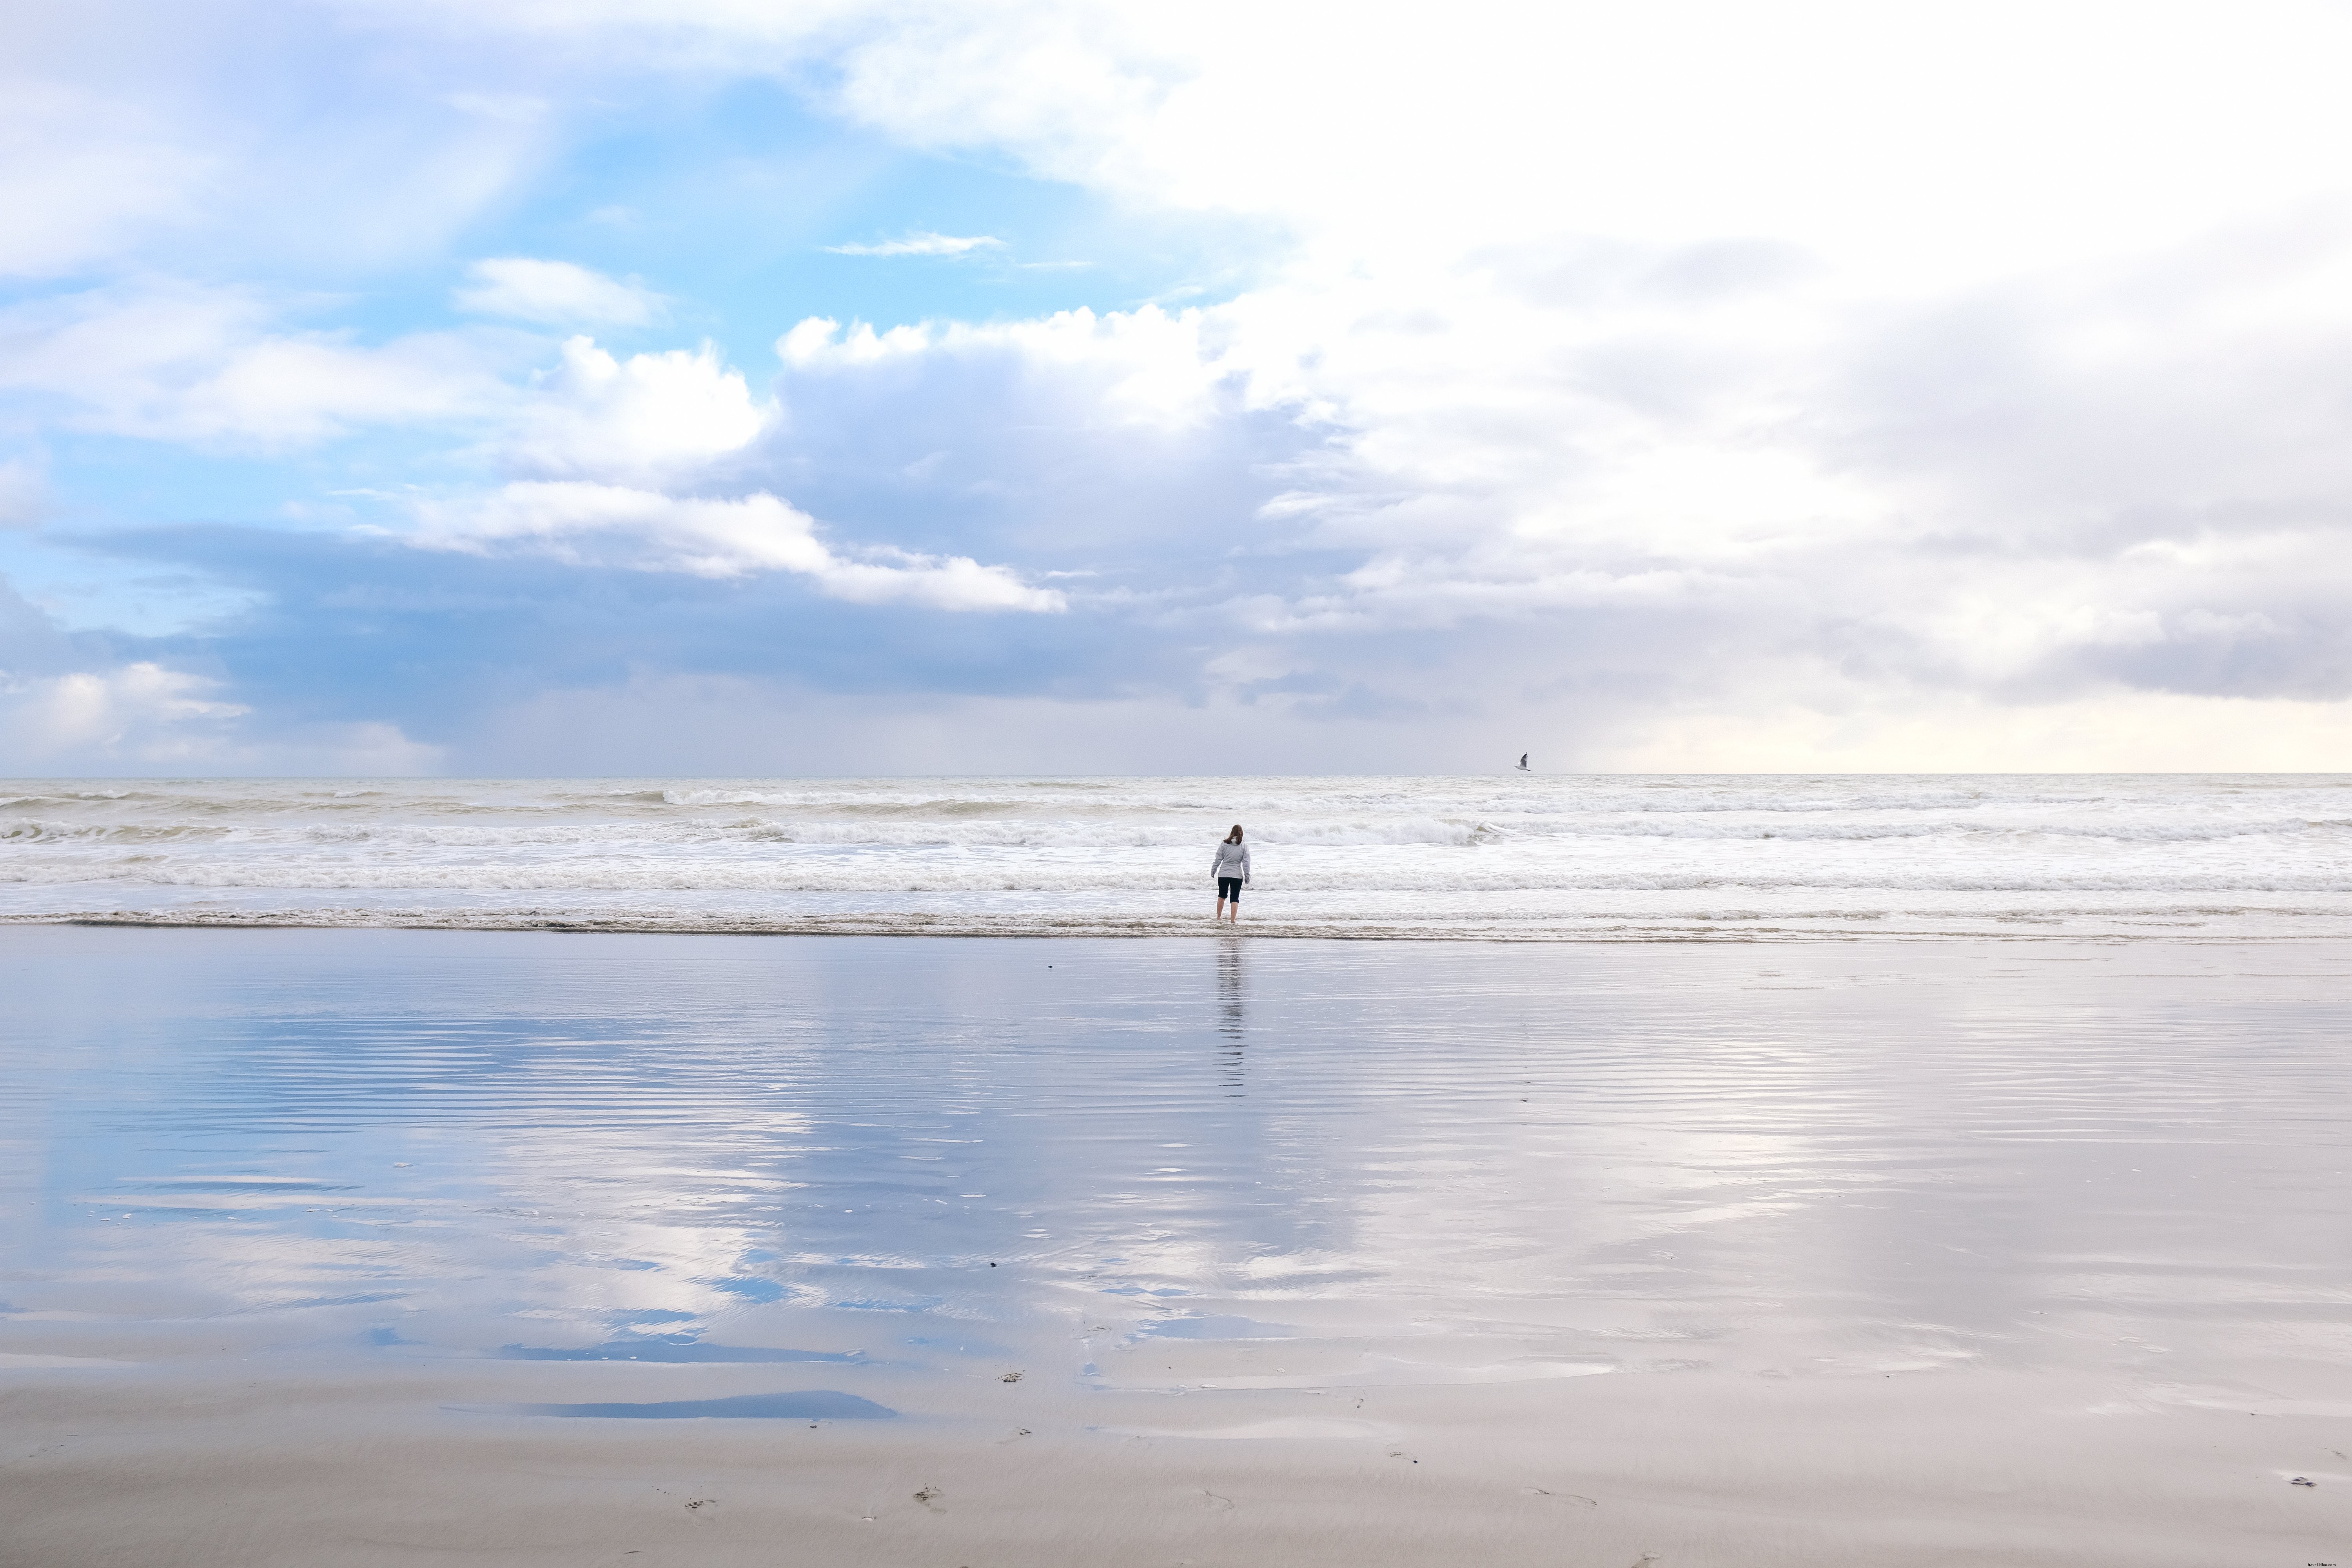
{"x": 732, "y": 387}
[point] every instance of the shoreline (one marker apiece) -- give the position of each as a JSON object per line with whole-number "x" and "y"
{"x": 922, "y": 925}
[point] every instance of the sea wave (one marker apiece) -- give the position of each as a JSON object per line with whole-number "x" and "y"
{"x": 997, "y": 828}
{"x": 1483, "y": 849}
{"x": 971, "y": 873}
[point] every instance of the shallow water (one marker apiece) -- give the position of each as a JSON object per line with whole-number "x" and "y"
{"x": 605, "y": 1169}
{"x": 1528, "y": 856}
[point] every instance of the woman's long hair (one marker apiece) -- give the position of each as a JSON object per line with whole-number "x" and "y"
{"x": 1235, "y": 835}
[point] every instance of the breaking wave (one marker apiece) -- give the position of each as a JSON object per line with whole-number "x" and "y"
{"x": 2229, "y": 856}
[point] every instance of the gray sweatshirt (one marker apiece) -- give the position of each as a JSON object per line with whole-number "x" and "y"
{"x": 1233, "y": 860}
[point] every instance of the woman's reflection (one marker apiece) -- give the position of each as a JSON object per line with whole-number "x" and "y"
{"x": 1233, "y": 1006}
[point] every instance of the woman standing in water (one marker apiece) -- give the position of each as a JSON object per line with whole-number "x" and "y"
{"x": 1232, "y": 872}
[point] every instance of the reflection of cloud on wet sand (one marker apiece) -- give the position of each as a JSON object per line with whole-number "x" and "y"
{"x": 1462, "y": 1184}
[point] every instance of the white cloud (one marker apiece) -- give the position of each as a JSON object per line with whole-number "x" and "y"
{"x": 1146, "y": 366}
{"x": 68, "y": 706}
{"x": 172, "y": 362}
{"x": 2115, "y": 125}
{"x": 2089, "y": 482}
{"x": 24, "y": 493}
{"x": 144, "y": 717}
{"x": 181, "y": 363}
{"x": 148, "y": 135}
{"x": 594, "y": 414}
{"x": 1923, "y": 141}
{"x": 922, "y": 245}
{"x": 611, "y": 525}
{"x": 83, "y": 176}
{"x": 140, "y": 714}
{"x": 558, "y": 293}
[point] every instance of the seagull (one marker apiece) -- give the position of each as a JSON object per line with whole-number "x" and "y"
{"x": 1523, "y": 764}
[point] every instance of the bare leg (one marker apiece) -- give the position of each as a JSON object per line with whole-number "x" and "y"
{"x": 1221, "y": 907}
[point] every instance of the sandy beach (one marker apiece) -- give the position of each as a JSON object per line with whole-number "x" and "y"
{"x": 417, "y": 1246}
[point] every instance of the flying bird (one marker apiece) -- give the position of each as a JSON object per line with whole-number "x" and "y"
{"x": 1523, "y": 764}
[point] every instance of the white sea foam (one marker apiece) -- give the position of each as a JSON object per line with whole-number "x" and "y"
{"x": 1613, "y": 856}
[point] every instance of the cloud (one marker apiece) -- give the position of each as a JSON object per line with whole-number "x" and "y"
{"x": 140, "y": 712}
{"x": 922, "y": 245}
{"x": 215, "y": 367}
{"x": 594, "y": 414}
{"x": 24, "y": 493}
{"x": 2087, "y": 481}
{"x": 1621, "y": 394}
{"x": 175, "y": 362}
{"x": 608, "y": 526}
{"x": 98, "y": 703}
{"x": 84, "y": 175}
{"x": 1706, "y": 121}
{"x": 144, "y": 717}
{"x": 1145, "y": 366}
{"x": 143, "y": 138}
{"x": 558, "y": 293}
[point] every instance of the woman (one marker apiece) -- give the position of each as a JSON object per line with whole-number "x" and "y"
{"x": 1232, "y": 872}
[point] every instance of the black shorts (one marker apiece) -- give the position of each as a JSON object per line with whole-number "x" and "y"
{"x": 1229, "y": 887}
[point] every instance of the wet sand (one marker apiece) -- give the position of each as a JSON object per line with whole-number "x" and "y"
{"x": 406, "y": 1247}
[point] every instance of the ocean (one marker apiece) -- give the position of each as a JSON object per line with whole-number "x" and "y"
{"x": 1514, "y": 857}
